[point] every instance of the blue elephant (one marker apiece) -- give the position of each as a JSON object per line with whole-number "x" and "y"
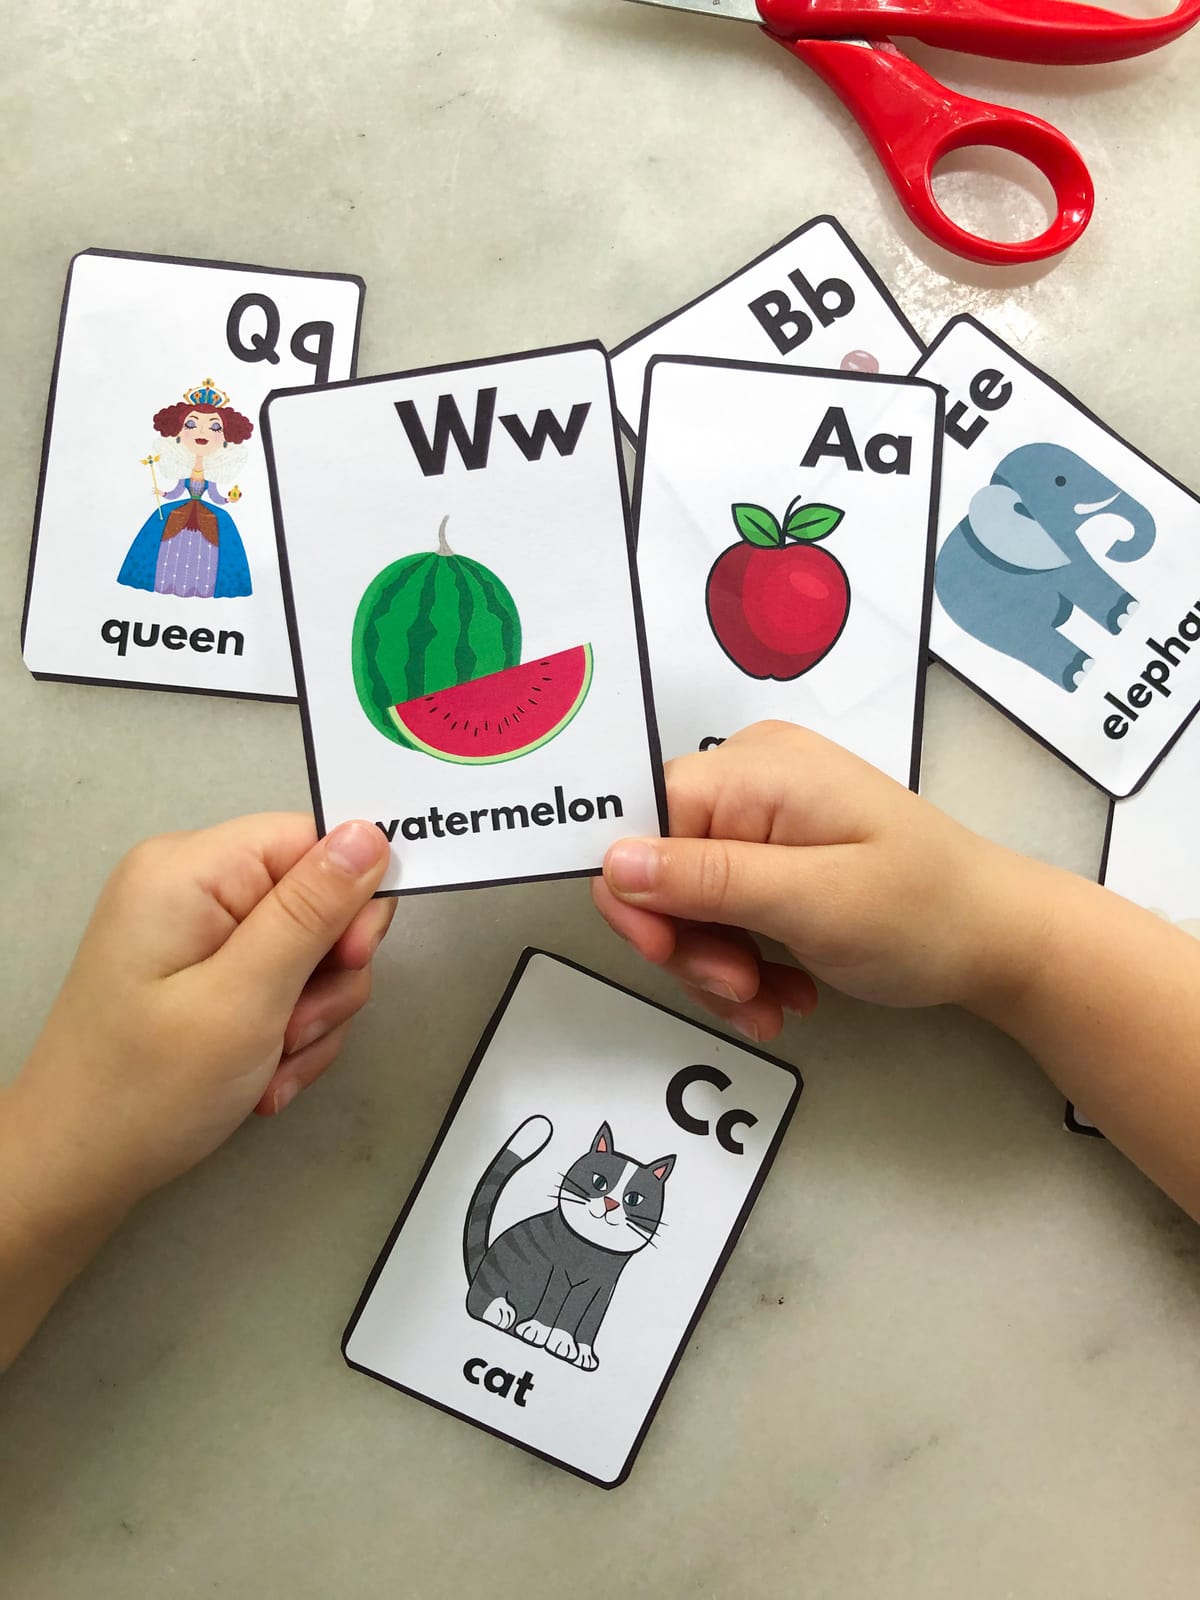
{"x": 1013, "y": 569}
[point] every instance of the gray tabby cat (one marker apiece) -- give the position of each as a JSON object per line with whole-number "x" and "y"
{"x": 549, "y": 1279}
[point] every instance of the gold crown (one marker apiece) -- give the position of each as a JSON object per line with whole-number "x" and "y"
{"x": 204, "y": 394}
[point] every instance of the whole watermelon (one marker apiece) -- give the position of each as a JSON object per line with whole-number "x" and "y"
{"x": 429, "y": 622}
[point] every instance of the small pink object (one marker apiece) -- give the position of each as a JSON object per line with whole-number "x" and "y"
{"x": 860, "y": 361}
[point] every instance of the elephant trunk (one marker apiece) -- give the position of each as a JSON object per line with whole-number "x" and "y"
{"x": 1141, "y": 541}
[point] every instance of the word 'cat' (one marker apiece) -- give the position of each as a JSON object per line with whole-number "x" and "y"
{"x": 549, "y": 1279}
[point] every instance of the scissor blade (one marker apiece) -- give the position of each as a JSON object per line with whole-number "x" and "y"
{"x": 735, "y": 10}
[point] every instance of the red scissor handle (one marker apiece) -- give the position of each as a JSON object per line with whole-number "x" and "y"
{"x": 1057, "y": 32}
{"x": 913, "y": 121}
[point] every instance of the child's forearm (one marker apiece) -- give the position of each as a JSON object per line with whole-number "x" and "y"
{"x": 52, "y": 1218}
{"x": 1106, "y": 997}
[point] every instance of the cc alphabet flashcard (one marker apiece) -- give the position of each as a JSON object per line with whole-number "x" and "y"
{"x": 154, "y": 560}
{"x": 1152, "y": 849}
{"x": 785, "y": 523}
{"x": 1067, "y": 580}
{"x": 813, "y": 300}
{"x": 592, "y": 1177}
{"x": 464, "y": 615}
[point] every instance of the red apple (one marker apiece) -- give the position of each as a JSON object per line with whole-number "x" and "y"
{"x": 776, "y": 603}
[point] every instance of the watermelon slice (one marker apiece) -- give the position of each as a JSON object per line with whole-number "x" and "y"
{"x": 501, "y": 716}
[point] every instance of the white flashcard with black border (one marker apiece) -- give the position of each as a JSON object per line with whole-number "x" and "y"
{"x": 784, "y": 526}
{"x": 1067, "y": 580}
{"x": 154, "y": 563}
{"x": 813, "y": 300}
{"x": 592, "y": 1177}
{"x": 1152, "y": 847}
{"x": 459, "y": 578}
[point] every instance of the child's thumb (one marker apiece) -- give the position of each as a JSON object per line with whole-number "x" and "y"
{"x": 706, "y": 880}
{"x": 273, "y": 952}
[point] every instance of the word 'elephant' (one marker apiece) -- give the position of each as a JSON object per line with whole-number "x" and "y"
{"x": 1013, "y": 569}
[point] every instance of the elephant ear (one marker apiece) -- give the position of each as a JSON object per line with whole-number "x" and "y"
{"x": 1001, "y": 524}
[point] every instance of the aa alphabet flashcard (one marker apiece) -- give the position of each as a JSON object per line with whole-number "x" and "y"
{"x": 464, "y": 614}
{"x": 154, "y": 561}
{"x": 785, "y": 523}
{"x": 1067, "y": 581}
{"x": 813, "y": 300}
{"x": 596, "y": 1168}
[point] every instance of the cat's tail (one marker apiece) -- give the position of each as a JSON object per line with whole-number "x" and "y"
{"x": 529, "y": 1140}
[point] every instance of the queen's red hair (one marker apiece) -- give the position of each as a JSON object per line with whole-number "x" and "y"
{"x": 170, "y": 420}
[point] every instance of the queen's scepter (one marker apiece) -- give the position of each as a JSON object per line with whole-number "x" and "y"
{"x": 148, "y": 461}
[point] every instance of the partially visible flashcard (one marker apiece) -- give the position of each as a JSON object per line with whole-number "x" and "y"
{"x": 154, "y": 561}
{"x": 596, "y": 1168}
{"x": 1067, "y": 580}
{"x": 813, "y": 300}
{"x": 461, "y": 593}
{"x": 785, "y": 526}
{"x": 1152, "y": 849}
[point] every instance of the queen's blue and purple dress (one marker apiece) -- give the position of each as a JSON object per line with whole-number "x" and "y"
{"x": 195, "y": 550}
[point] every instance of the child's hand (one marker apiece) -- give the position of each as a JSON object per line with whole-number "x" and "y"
{"x": 217, "y": 977}
{"x": 782, "y": 833}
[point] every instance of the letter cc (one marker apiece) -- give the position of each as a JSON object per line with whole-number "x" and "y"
{"x": 683, "y": 1118}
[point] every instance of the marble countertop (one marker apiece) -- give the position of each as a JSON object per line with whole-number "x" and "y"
{"x": 955, "y": 1353}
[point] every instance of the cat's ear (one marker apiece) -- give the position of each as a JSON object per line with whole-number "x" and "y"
{"x": 662, "y": 1169}
{"x": 602, "y": 1144}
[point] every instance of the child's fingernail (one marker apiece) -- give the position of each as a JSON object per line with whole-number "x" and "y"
{"x": 631, "y": 866}
{"x": 306, "y": 1036}
{"x": 285, "y": 1094}
{"x": 747, "y": 1029}
{"x": 355, "y": 847}
{"x": 717, "y": 986}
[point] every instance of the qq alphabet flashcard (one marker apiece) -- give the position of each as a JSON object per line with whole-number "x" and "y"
{"x": 785, "y": 523}
{"x": 464, "y": 614}
{"x": 1067, "y": 579}
{"x": 813, "y": 300}
{"x": 593, "y": 1175}
{"x": 154, "y": 562}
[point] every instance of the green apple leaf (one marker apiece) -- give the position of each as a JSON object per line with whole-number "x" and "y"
{"x": 757, "y": 525}
{"x": 811, "y": 522}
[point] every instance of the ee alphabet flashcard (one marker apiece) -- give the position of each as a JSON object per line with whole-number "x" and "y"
{"x": 785, "y": 525}
{"x": 1067, "y": 580}
{"x": 154, "y": 562}
{"x": 813, "y": 300}
{"x": 464, "y": 616}
{"x": 593, "y": 1175}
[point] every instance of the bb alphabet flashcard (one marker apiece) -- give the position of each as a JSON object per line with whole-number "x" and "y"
{"x": 154, "y": 561}
{"x": 785, "y": 524}
{"x": 464, "y": 614}
{"x": 813, "y": 300}
{"x": 1067, "y": 580}
{"x": 593, "y": 1175}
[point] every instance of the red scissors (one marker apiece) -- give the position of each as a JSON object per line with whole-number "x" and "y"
{"x": 913, "y": 120}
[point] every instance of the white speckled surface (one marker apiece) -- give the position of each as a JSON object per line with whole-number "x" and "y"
{"x": 955, "y": 1353}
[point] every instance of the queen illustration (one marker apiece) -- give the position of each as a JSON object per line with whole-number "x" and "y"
{"x": 196, "y": 548}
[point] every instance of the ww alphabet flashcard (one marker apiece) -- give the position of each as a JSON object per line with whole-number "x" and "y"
{"x": 154, "y": 562}
{"x": 464, "y": 614}
{"x": 813, "y": 300}
{"x": 1067, "y": 580}
{"x": 593, "y": 1175}
{"x": 785, "y": 523}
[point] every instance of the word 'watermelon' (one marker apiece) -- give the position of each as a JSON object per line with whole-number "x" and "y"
{"x": 425, "y": 623}
{"x": 502, "y": 716}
